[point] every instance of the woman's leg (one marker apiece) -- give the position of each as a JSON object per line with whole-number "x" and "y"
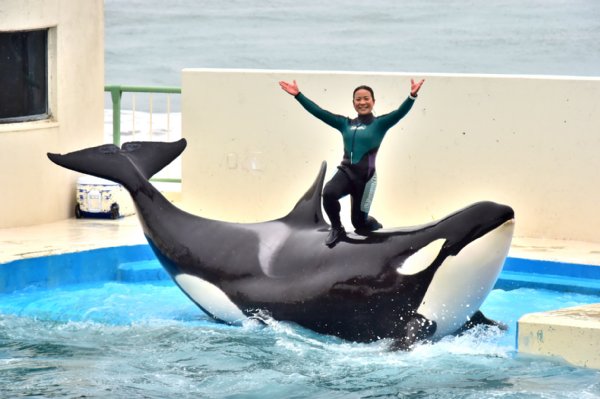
{"x": 361, "y": 204}
{"x": 336, "y": 188}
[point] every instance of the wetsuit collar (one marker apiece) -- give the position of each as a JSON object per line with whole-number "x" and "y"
{"x": 363, "y": 119}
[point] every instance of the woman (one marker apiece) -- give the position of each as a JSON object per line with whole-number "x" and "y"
{"x": 356, "y": 174}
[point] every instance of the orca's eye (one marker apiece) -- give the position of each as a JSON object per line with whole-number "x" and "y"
{"x": 422, "y": 258}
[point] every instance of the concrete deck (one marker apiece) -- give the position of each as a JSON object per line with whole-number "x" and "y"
{"x": 71, "y": 235}
{"x": 571, "y": 333}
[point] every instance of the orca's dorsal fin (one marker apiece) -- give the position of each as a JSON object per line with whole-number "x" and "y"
{"x": 307, "y": 211}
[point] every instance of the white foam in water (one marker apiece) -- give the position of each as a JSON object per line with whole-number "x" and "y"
{"x": 480, "y": 341}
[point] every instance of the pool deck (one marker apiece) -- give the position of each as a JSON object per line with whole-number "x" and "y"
{"x": 72, "y": 235}
{"x": 548, "y": 333}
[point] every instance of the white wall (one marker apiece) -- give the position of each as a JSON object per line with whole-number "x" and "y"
{"x": 530, "y": 142}
{"x": 34, "y": 190}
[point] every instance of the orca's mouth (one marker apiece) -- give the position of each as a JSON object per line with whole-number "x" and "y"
{"x": 487, "y": 220}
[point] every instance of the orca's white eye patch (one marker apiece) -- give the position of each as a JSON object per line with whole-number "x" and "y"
{"x": 421, "y": 259}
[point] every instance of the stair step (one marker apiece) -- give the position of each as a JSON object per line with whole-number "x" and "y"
{"x": 146, "y": 270}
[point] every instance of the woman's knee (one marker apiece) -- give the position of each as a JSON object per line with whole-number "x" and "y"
{"x": 331, "y": 193}
{"x": 358, "y": 220}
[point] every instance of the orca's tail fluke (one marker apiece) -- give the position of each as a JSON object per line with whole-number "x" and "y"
{"x": 122, "y": 165}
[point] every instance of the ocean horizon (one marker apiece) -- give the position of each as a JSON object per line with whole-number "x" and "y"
{"x": 148, "y": 43}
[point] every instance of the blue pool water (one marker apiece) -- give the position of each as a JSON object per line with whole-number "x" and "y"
{"x": 114, "y": 339}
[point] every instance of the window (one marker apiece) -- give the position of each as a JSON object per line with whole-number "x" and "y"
{"x": 23, "y": 76}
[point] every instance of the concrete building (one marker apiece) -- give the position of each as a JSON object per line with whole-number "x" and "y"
{"x": 65, "y": 39}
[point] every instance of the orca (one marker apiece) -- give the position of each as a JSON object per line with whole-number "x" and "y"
{"x": 406, "y": 284}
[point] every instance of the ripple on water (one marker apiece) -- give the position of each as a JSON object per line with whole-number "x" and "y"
{"x": 148, "y": 340}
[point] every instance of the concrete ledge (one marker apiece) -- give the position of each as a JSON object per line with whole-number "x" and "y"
{"x": 491, "y": 146}
{"x": 513, "y": 280}
{"x": 571, "y": 333}
{"x": 552, "y": 275}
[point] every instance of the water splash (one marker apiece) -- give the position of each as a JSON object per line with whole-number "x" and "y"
{"x": 133, "y": 340}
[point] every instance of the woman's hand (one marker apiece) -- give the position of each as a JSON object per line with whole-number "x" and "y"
{"x": 414, "y": 87}
{"x": 291, "y": 88}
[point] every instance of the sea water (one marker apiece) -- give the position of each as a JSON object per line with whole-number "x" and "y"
{"x": 148, "y": 42}
{"x": 148, "y": 340}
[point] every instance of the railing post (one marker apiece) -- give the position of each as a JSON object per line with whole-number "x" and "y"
{"x": 115, "y": 94}
{"x": 116, "y": 100}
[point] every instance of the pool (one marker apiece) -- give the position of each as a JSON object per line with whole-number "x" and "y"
{"x": 141, "y": 337}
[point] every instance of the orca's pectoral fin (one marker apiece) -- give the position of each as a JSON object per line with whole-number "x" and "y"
{"x": 419, "y": 328}
{"x": 479, "y": 319}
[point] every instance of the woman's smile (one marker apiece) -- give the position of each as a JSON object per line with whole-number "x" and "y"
{"x": 363, "y": 102}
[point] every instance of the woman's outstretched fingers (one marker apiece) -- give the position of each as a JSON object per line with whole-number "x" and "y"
{"x": 291, "y": 88}
{"x": 415, "y": 87}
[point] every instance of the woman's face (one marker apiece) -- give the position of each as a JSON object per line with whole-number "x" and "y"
{"x": 363, "y": 102}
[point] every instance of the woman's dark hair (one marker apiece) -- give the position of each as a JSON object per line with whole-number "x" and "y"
{"x": 364, "y": 87}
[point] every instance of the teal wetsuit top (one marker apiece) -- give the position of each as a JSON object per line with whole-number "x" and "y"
{"x": 362, "y": 135}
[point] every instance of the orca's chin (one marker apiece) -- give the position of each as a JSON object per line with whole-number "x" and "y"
{"x": 462, "y": 282}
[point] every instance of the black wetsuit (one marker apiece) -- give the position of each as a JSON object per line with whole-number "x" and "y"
{"x": 356, "y": 174}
